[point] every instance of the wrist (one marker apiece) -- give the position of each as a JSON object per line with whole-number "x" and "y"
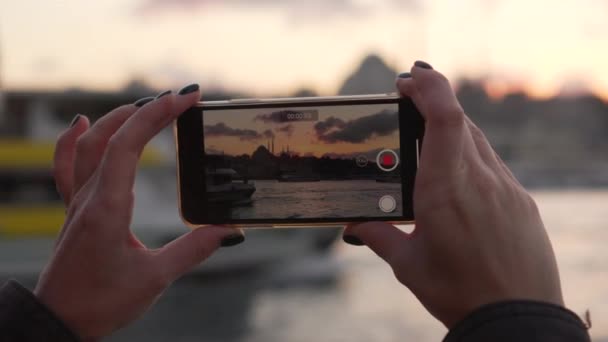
{"x": 451, "y": 318}
{"x": 59, "y": 309}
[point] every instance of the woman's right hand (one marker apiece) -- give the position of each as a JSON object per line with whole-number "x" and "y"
{"x": 479, "y": 237}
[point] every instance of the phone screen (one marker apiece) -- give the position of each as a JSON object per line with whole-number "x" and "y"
{"x": 304, "y": 163}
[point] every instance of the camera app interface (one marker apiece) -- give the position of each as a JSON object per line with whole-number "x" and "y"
{"x": 301, "y": 163}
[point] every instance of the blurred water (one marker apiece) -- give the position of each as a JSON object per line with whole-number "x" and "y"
{"x": 319, "y": 199}
{"x": 351, "y": 295}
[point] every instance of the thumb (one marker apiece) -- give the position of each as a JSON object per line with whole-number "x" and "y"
{"x": 387, "y": 241}
{"x": 189, "y": 250}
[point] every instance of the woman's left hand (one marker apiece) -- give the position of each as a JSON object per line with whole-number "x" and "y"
{"x": 101, "y": 277}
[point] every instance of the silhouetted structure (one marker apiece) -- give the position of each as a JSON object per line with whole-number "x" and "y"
{"x": 559, "y": 141}
{"x": 373, "y": 76}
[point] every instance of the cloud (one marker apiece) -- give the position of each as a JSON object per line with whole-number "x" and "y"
{"x": 287, "y": 129}
{"x": 323, "y": 126}
{"x": 334, "y": 130}
{"x": 296, "y": 10}
{"x": 331, "y": 6}
{"x": 221, "y": 130}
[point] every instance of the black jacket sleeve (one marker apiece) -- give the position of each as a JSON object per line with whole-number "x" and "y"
{"x": 522, "y": 321}
{"x": 24, "y": 319}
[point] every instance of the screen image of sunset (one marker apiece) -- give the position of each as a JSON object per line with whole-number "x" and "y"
{"x": 332, "y": 131}
{"x": 288, "y": 163}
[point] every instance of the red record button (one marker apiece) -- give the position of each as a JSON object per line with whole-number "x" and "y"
{"x": 387, "y": 160}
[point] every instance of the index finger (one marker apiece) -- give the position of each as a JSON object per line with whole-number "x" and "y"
{"x": 117, "y": 171}
{"x": 446, "y": 132}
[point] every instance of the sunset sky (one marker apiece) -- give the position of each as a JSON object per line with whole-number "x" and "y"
{"x": 274, "y": 47}
{"x": 338, "y": 131}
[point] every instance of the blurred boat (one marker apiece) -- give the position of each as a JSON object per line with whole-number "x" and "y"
{"x": 222, "y": 187}
{"x": 32, "y": 213}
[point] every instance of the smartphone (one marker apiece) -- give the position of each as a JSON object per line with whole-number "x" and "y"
{"x": 298, "y": 162}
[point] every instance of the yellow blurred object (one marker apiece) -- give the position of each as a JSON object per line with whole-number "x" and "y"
{"x": 24, "y": 154}
{"x": 29, "y": 204}
{"x": 31, "y": 220}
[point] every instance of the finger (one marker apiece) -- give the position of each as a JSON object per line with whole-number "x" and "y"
{"x": 407, "y": 87}
{"x": 506, "y": 169}
{"x": 63, "y": 159}
{"x": 445, "y": 138}
{"x": 387, "y": 241}
{"x": 485, "y": 150}
{"x": 189, "y": 250}
{"x": 487, "y": 153}
{"x": 117, "y": 171}
{"x": 92, "y": 144}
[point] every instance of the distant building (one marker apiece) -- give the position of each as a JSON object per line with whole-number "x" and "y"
{"x": 43, "y": 114}
{"x": 373, "y": 76}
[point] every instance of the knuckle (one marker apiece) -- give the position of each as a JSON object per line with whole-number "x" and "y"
{"x": 488, "y": 184}
{"x": 530, "y": 202}
{"x": 449, "y": 115}
{"x": 476, "y": 132}
{"x": 117, "y": 143}
{"x": 86, "y": 143}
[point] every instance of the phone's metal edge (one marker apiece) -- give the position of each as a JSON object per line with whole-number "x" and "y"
{"x": 178, "y": 180}
{"x": 289, "y": 100}
{"x": 286, "y": 100}
{"x": 296, "y": 225}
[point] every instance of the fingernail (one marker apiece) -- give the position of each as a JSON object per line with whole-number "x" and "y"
{"x": 405, "y": 75}
{"x": 188, "y": 89}
{"x": 423, "y": 65}
{"x": 163, "y": 94}
{"x": 143, "y": 101}
{"x": 352, "y": 240}
{"x": 75, "y": 120}
{"x": 232, "y": 240}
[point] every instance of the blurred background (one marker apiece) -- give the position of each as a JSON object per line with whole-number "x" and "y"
{"x": 532, "y": 74}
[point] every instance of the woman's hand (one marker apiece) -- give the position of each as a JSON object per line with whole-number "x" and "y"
{"x": 479, "y": 237}
{"x": 101, "y": 277}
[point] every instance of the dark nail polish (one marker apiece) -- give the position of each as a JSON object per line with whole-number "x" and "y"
{"x": 163, "y": 94}
{"x": 405, "y": 75}
{"x": 143, "y": 101}
{"x": 352, "y": 240}
{"x": 423, "y": 65}
{"x": 188, "y": 89}
{"x": 75, "y": 120}
{"x": 232, "y": 240}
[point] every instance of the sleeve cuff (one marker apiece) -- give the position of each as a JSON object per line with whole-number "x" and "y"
{"x": 24, "y": 317}
{"x": 521, "y": 320}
